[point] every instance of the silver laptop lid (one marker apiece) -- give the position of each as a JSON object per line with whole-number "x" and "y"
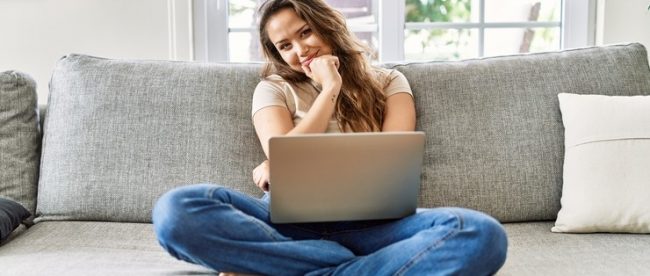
{"x": 346, "y": 176}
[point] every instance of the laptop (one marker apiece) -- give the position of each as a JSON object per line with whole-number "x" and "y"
{"x": 344, "y": 176}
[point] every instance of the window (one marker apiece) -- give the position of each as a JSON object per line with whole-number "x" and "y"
{"x": 399, "y": 30}
{"x": 226, "y": 30}
{"x": 444, "y": 30}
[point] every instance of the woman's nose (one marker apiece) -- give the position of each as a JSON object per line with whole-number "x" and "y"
{"x": 302, "y": 49}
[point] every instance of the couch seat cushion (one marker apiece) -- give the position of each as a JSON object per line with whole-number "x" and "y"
{"x": 90, "y": 248}
{"x": 534, "y": 250}
{"x": 105, "y": 248}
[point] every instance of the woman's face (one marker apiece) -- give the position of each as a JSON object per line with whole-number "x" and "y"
{"x": 294, "y": 39}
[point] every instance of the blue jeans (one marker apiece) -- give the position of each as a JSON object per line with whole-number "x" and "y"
{"x": 229, "y": 231}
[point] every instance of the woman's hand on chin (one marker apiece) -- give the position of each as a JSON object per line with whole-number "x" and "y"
{"x": 324, "y": 71}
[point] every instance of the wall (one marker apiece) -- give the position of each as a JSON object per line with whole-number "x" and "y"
{"x": 36, "y": 33}
{"x": 623, "y": 21}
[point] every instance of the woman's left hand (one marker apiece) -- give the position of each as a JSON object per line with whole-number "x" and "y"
{"x": 261, "y": 176}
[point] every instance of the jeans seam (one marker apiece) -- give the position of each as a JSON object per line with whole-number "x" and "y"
{"x": 291, "y": 224}
{"x": 210, "y": 194}
{"x": 265, "y": 227}
{"x": 259, "y": 203}
{"x": 436, "y": 244}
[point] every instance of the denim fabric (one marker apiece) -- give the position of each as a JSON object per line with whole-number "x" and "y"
{"x": 230, "y": 231}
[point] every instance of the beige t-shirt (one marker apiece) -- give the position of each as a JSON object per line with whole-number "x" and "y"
{"x": 298, "y": 98}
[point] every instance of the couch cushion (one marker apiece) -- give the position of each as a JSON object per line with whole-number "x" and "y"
{"x": 494, "y": 130}
{"x": 606, "y": 164}
{"x": 120, "y": 133}
{"x": 20, "y": 138}
{"x": 12, "y": 215}
{"x": 534, "y": 250}
{"x": 101, "y": 248}
{"x": 90, "y": 248}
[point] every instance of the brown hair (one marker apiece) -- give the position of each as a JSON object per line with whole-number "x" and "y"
{"x": 361, "y": 102}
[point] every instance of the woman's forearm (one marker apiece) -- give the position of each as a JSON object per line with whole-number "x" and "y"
{"x": 317, "y": 118}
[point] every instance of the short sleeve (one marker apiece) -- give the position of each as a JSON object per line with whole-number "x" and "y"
{"x": 396, "y": 83}
{"x": 268, "y": 93}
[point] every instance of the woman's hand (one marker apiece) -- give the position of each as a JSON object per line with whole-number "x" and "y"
{"x": 324, "y": 70}
{"x": 261, "y": 176}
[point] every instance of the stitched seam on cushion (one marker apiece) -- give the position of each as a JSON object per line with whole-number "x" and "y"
{"x": 437, "y": 244}
{"x": 210, "y": 194}
{"x": 608, "y": 140}
{"x": 551, "y": 53}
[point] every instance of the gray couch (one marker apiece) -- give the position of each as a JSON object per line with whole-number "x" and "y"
{"x": 119, "y": 133}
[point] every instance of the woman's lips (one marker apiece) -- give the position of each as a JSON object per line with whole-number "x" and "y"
{"x": 309, "y": 59}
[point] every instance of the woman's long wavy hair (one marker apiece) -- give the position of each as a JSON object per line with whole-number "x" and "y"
{"x": 361, "y": 102}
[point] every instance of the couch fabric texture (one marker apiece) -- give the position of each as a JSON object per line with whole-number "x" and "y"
{"x": 495, "y": 140}
{"x": 108, "y": 248}
{"x": 20, "y": 139}
{"x": 119, "y": 133}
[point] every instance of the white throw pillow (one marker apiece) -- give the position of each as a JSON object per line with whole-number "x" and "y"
{"x": 606, "y": 164}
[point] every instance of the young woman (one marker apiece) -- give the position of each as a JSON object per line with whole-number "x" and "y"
{"x": 318, "y": 80}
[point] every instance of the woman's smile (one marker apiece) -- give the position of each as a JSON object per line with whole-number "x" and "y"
{"x": 309, "y": 58}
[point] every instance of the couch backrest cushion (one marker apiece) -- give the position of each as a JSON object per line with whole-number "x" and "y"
{"x": 120, "y": 133}
{"x": 20, "y": 138}
{"x": 495, "y": 139}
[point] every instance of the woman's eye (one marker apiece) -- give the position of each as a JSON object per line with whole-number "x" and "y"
{"x": 306, "y": 32}
{"x": 285, "y": 46}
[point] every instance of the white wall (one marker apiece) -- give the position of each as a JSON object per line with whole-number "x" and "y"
{"x": 36, "y": 33}
{"x": 623, "y": 21}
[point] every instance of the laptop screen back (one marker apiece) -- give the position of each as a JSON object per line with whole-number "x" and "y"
{"x": 347, "y": 176}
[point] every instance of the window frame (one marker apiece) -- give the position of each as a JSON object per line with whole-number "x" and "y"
{"x": 211, "y": 31}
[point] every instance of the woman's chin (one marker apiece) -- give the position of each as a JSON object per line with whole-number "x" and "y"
{"x": 300, "y": 70}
